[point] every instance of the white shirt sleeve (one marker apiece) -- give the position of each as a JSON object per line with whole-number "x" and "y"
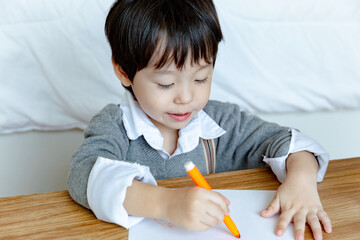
{"x": 106, "y": 189}
{"x": 300, "y": 142}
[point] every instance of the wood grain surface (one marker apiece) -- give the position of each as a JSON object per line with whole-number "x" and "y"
{"x": 55, "y": 215}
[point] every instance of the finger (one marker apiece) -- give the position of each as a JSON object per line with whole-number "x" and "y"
{"x": 217, "y": 212}
{"x": 213, "y": 216}
{"x": 272, "y": 209}
{"x": 325, "y": 220}
{"x": 202, "y": 227}
{"x": 315, "y": 226}
{"x": 220, "y": 201}
{"x": 226, "y": 200}
{"x": 299, "y": 225}
{"x": 210, "y": 220}
{"x": 284, "y": 220}
{"x": 204, "y": 221}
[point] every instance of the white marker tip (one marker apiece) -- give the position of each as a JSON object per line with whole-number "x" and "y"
{"x": 189, "y": 165}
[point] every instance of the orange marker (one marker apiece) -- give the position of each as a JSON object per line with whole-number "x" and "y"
{"x": 199, "y": 180}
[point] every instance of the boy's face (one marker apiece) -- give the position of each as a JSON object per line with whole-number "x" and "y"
{"x": 172, "y": 97}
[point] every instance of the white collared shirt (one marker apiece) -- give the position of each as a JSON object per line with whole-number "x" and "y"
{"x": 109, "y": 179}
{"x": 137, "y": 123}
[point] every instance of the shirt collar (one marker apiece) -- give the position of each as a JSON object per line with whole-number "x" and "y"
{"x": 137, "y": 123}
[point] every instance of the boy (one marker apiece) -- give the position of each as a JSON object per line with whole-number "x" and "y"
{"x": 164, "y": 52}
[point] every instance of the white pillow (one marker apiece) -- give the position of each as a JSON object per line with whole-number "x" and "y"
{"x": 55, "y": 64}
{"x": 278, "y": 56}
{"x": 286, "y": 56}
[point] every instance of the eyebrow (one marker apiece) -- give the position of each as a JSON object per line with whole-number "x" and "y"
{"x": 166, "y": 71}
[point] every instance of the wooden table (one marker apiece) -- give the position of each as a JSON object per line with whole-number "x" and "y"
{"x": 54, "y": 215}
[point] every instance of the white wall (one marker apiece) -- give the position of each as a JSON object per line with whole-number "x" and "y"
{"x": 338, "y": 132}
{"x": 35, "y": 162}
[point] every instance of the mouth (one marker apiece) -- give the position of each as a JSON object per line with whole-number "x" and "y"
{"x": 180, "y": 116}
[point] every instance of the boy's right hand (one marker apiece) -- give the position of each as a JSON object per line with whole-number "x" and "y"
{"x": 194, "y": 208}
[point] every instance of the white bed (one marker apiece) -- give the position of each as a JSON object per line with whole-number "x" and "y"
{"x": 294, "y": 63}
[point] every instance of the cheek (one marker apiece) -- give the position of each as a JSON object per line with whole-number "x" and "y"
{"x": 152, "y": 104}
{"x": 203, "y": 96}
{"x": 203, "y": 102}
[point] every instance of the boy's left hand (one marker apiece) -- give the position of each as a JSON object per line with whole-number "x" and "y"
{"x": 299, "y": 202}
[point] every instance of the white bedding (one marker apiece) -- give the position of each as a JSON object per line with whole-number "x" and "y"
{"x": 278, "y": 56}
{"x": 289, "y": 56}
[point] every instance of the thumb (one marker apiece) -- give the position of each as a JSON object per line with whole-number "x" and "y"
{"x": 226, "y": 200}
{"x": 272, "y": 209}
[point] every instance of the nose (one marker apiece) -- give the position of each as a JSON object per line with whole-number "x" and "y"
{"x": 184, "y": 95}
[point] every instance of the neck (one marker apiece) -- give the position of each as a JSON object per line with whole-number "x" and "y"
{"x": 170, "y": 140}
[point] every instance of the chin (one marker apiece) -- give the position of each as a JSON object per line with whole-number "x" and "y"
{"x": 183, "y": 124}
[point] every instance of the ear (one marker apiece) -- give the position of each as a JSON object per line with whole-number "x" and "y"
{"x": 121, "y": 75}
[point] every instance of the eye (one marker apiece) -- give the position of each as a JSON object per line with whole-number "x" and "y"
{"x": 201, "y": 80}
{"x": 165, "y": 87}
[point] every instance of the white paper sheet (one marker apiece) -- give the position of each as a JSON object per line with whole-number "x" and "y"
{"x": 245, "y": 209}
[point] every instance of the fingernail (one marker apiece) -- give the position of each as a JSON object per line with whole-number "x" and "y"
{"x": 279, "y": 232}
{"x": 300, "y": 237}
{"x": 318, "y": 236}
{"x": 328, "y": 229}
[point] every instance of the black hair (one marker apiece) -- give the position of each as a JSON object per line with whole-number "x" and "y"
{"x": 135, "y": 28}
